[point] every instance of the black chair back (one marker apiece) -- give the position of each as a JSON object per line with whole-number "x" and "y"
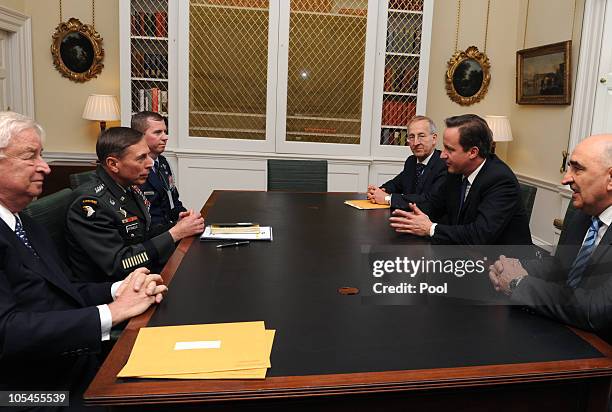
{"x": 528, "y": 193}
{"x": 50, "y": 212}
{"x": 297, "y": 175}
{"x": 77, "y": 179}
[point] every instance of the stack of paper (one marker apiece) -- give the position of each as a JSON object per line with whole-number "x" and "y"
{"x": 222, "y": 229}
{"x": 215, "y": 351}
{"x": 261, "y": 233}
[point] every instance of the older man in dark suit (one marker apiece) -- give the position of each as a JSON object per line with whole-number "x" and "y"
{"x": 50, "y": 328}
{"x": 423, "y": 172}
{"x": 575, "y": 286}
{"x": 480, "y": 196}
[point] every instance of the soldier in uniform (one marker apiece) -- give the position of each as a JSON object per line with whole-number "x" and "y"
{"x": 159, "y": 188}
{"x": 109, "y": 229}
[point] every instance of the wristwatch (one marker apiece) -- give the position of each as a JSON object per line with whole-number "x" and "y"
{"x": 514, "y": 283}
{"x": 388, "y": 199}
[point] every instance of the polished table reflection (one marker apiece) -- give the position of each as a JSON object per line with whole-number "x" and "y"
{"x": 335, "y": 351}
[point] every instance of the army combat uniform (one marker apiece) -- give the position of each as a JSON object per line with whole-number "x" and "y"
{"x": 163, "y": 195}
{"x": 109, "y": 232}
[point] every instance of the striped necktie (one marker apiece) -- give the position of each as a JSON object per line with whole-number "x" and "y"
{"x": 21, "y": 234}
{"x": 580, "y": 263}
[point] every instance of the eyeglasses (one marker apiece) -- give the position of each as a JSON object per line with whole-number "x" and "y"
{"x": 420, "y": 137}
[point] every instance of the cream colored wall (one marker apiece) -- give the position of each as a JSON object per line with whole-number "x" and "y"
{"x": 501, "y": 48}
{"x": 17, "y": 5}
{"x": 541, "y": 133}
{"x": 59, "y": 102}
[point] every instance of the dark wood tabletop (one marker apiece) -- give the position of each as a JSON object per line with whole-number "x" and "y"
{"x": 335, "y": 351}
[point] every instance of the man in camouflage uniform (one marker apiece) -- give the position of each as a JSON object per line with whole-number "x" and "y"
{"x": 108, "y": 223}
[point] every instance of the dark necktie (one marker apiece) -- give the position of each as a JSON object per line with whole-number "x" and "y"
{"x": 156, "y": 166}
{"x": 420, "y": 167}
{"x": 21, "y": 234}
{"x": 464, "y": 184}
{"x": 580, "y": 263}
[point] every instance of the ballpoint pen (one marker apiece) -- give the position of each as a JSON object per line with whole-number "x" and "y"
{"x": 243, "y": 243}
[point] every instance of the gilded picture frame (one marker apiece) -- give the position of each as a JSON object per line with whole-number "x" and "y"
{"x": 468, "y": 76}
{"x": 543, "y": 74}
{"x": 77, "y": 51}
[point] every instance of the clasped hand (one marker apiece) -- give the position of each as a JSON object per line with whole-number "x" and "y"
{"x": 414, "y": 222}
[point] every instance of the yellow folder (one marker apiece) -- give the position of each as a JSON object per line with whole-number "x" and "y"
{"x": 365, "y": 204}
{"x": 172, "y": 350}
{"x": 234, "y": 374}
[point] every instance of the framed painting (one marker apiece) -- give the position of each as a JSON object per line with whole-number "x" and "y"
{"x": 543, "y": 74}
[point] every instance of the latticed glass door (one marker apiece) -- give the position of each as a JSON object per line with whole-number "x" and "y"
{"x": 404, "y": 36}
{"x": 228, "y": 68}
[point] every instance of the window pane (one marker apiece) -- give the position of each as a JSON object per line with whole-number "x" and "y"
{"x": 326, "y": 68}
{"x": 228, "y": 68}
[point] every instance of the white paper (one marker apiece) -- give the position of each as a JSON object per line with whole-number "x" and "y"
{"x": 198, "y": 344}
{"x": 265, "y": 233}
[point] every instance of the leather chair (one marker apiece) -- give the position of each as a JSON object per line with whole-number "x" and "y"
{"x": 77, "y": 179}
{"x": 297, "y": 175}
{"x": 50, "y": 212}
{"x": 528, "y": 193}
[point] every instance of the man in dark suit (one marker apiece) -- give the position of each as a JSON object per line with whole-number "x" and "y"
{"x": 575, "y": 286}
{"x": 50, "y": 328}
{"x": 159, "y": 188}
{"x": 109, "y": 229}
{"x": 480, "y": 196}
{"x": 423, "y": 172}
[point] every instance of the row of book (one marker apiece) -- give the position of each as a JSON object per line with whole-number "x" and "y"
{"x": 401, "y": 80}
{"x": 153, "y": 24}
{"x": 414, "y": 5}
{"x": 394, "y": 137}
{"x": 403, "y": 36}
{"x": 397, "y": 112}
{"x": 152, "y": 65}
{"x": 153, "y": 99}
{"x": 321, "y": 6}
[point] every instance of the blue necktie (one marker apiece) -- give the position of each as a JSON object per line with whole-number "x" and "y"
{"x": 580, "y": 263}
{"x": 21, "y": 234}
{"x": 464, "y": 184}
{"x": 420, "y": 167}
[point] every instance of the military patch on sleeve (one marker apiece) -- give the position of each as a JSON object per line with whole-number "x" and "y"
{"x": 89, "y": 211}
{"x": 91, "y": 201}
{"x": 135, "y": 260}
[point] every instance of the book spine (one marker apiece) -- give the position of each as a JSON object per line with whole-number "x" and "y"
{"x": 155, "y": 99}
{"x": 141, "y": 100}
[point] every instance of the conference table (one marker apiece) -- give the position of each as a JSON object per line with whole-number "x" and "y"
{"x": 335, "y": 351}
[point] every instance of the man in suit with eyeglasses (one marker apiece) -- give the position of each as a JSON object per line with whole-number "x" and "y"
{"x": 423, "y": 172}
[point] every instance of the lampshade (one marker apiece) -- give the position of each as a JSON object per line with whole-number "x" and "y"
{"x": 500, "y": 126}
{"x": 101, "y": 107}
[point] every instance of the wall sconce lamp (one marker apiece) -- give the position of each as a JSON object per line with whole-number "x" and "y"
{"x": 102, "y": 108}
{"x": 500, "y": 126}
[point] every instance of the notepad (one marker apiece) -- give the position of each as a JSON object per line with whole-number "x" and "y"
{"x": 364, "y": 204}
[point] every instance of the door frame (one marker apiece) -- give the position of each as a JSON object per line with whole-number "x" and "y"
{"x": 19, "y": 44}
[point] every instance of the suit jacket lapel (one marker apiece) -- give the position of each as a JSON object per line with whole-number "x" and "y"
{"x": 475, "y": 188}
{"x": 428, "y": 174}
{"x": 603, "y": 247}
{"x": 44, "y": 265}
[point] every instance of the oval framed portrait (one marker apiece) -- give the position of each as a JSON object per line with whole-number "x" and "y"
{"x": 468, "y": 76}
{"x": 77, "y": 51}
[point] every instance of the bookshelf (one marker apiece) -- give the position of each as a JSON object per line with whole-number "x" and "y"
{"x": 149, "y": 56}
{"x": 402, "y": 61}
